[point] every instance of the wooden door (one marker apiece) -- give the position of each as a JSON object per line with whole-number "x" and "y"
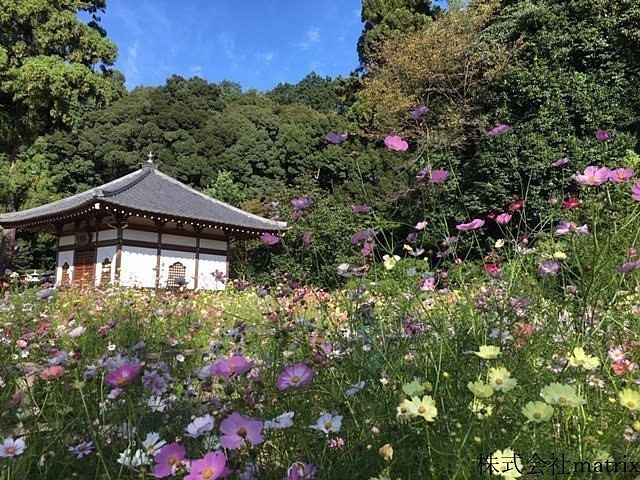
{"x": 84, "y": 267}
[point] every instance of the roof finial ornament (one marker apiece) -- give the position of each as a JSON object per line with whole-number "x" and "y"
{"x": 150, "y": 158}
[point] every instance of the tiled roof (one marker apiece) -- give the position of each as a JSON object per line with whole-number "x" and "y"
{"x": 149, "y": 191}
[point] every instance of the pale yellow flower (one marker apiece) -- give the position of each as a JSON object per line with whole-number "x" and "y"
{"x": 560, "y": 255}
{"x": 630, "y": 398}
{"x": 403, "y": 412}
{"x": 507, "y": 463}
{"x": 424, "y": 407}
{"x": 480, "y": 389}
{"x": 561, "y": 394}
{"x": 537, "y": 411}
{"x": 500, "y": 379}
{"x": 386, "y": 452}
{"x": 500, "y": 243}
{"x": 580, "y": 359}
{"x": 390, "y": 262}
{"x": 488, "y": 352}
{"x": 413, "y": 388}
{"x": 481, "y": 409}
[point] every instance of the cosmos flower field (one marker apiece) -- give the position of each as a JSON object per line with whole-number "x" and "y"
{"x": 520, "y": 362}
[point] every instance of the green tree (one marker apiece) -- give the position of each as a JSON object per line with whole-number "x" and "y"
{"x": 53, "y": 66}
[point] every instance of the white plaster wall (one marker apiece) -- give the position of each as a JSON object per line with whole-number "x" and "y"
{"x": 178, "y": 240}
{"x": 208, "y": 264}
{"x": 105, "y": 252}
{"x": 169, "y": 257}
{"x": 67, "y": 240}
{"x": 139, "y": 235}
{"x": 65, "y": 256}
{"x": 216, "y": 244}
{"x": 110, "y": 234}
{"x": 138, "y": 267}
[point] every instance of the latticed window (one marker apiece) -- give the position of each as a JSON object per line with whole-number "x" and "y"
{"x": 177, "y": 275}
{"x": 64, "y": 279}
{"x": 105, "y": 273}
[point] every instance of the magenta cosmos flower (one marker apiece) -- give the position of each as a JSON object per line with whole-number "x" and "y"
{"x": 498, "y": 130}
{"x": 396, "y": 143}
{"x": 472, "y": 225}
{"x": 336, "y": 138}
{"x": 621, "y": 175}
{"x": 238, "y": 428}
{"x": 438, "y": 176}
{"x": 603, "y": 135}
{"x": 231, "y": 367}
{"x": 211, "y": 467}
{"x": 169, "y": 456}
{"x": 269, "y": 238}
{"x": 295, "y": 376}
{"x": 123, "y": 376}
{"x": 503, "y": 218}
{"x": 300, "y": 203}
{"x": 570, "y": 227}
{"x": 593, "y": 176}
{"x": 561, "y": 162}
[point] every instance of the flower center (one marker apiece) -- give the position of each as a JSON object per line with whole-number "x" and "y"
{"x": 631, "y": 404}
{"x": 499, "y": 381}
{"x": 172, "y": 461}
{"x": 207, "y": 474}
{"x": 242, "y": 432}
{"x": 422, "y": 409}
{"x": 537, "y": 415}
{"x": 11, "y": 450}
{"x": 562, "y": 400}
{"x": 328, "y": 426}
{"x": 295, "y": 379}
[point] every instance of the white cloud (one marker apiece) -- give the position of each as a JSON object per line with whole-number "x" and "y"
{"x": 130, "y": 64}
{"x": 313, "y": 34}
{"x": 196, "y": 69}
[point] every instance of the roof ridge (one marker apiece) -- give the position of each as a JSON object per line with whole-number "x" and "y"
{"x": 280, "y": 225}
{"x": 134, "y": 180}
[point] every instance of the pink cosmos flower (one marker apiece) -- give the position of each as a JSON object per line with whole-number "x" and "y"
{"x": 419, "y": 112}
{"x": 593, "y": 176}
{"x": 571, "y": 203}
{"x": 295, "y": 376}
{"x": 395, "y": 143}
{"x": 472, "y": 225}
{"x": 51, "y": 373}
{"x": 561, "y": 162}
{"x": 421, "y": 225}
{"x": 503, "y": 218}
{"x": 211, "y": 467}
{"x": 627, "y": 267}
{"x": 549, "y": 268}
{"x": 499, "y": 130}
{"x": 515, "y": 206}
{"x": 570, "y": 227}
{"x": 301, "y": 203}
{"x": 231, "y": 367}
{"x": 269, "y": 238}
{"x": 11, "y": 448}
{"x": 422, "y": 174}
{"x": 635, "y": 191}
{"x": 336, "y": 138}
{"x": 438, "y": 176}
{"x": 167, "y": 458}
{"x": 238, "y": 428}
{"x": 621, "y": 175}
{"x": 361, "y": 208}
{"x": 124, "y": 375}
{"x": 603, "y": 135}
{"x": 367, "y": 248}
{"x": 301, "y": 471}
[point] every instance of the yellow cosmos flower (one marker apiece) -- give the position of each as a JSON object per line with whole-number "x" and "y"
{"x": 630, "y": 398}
{"x": 424, "y": 407}
{"x": 480, "y": 389}
{"x": 537, "y": 411}
{"x": 560, "y": 255}
{"x": 390, "y": 262}
{"x": 507, "y": 463}
{"x": 580, "y": 359}
{"x": 413, "y": 388}
{"x": 481, "y": 409}
{"x": 499, "y": 243}
{"x": 561, "y": 394}
{"x": 488, "y": 352}
{"x": 500, "y": 379}
{"x": 403, "y": 411}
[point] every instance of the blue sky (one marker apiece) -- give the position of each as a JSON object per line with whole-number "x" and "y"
{"x": 258, "y": 43}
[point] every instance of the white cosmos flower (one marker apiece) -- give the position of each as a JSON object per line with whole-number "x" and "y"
{"x": 153, "y": 444}
{"x": 328, "y": 423}
{"x": 280, "y": 422}
{"x": 135, "y": 459}
{"x": 200, "y": 425}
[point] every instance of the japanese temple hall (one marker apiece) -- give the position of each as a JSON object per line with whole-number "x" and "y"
{"x": 145, "y": 229}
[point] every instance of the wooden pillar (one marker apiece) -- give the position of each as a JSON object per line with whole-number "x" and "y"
{"x": 98, "y": 220}
{"x": 59, "y": 227}
{"x": 159, "y": 226}
{"x": 120, "y": 221}
{"x": 198, "y": 231}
